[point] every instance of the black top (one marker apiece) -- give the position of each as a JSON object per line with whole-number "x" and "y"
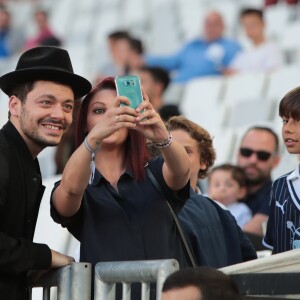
{"x": 259, "y": 201}
{"x": 132, "y": 224}
{"x": 214, "y": 236}
{"x": 21, "y": 192}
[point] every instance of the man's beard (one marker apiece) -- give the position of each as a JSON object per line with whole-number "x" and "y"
{"x": 32, "y": 133}
{"x": 257, "y": 181}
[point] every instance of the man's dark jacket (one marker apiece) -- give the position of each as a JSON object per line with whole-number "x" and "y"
{"x": 215, "y": 238}
{"x": 21, "y": 191}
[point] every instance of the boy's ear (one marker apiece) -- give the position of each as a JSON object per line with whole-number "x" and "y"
{"x": 203, "y": 165}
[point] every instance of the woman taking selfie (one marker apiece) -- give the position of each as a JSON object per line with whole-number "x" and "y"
{"x": 105, "y": 197}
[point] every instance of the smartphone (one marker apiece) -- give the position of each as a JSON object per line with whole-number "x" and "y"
{"x": 130, "y": 87}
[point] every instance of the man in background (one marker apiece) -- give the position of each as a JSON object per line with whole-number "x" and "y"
{"x": 155, "y": 81}
{"x": 206, "y": 56}
{"x": 258, "y": 156}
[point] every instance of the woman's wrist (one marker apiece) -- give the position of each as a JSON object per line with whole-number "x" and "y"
{"x": 91, "y": 146}
{"x": 164, "y": 143}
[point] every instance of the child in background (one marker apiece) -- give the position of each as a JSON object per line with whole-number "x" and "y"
{"x": 283, "y": 228}
{"x": 227, "y": 185}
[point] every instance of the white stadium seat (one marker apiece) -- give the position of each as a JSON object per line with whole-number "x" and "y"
{"x": 200, "y": 101}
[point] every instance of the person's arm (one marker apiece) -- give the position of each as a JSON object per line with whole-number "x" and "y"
{"x": 18, "y": 255}
{"x": 231, "y": 59}
{"x": 167, "y": 62}
{"x": 67, "y": 197}
{"x": 255, "y": 225}
{"x": 176, "y": 167}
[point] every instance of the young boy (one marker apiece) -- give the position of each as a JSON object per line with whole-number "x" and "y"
{"x": 283, "y": 228}
{"x": 227, "y": 184}
{"x": 211, "y": 231}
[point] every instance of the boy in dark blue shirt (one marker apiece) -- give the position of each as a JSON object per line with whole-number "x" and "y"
{"x": 283, "y": 228}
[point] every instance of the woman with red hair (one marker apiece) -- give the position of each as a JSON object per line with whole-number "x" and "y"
{"x": 105, "y": 197}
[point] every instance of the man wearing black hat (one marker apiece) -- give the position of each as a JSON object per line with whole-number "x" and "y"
{"x": 41, "y": 91}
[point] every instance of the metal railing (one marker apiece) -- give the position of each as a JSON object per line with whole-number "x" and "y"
{"x": 107, "y": 274}
{"x": 72, "y": 282}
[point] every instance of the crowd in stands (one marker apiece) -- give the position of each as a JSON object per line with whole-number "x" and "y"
{"x": 233, "y": 209}
{"x": 14, "y": 40}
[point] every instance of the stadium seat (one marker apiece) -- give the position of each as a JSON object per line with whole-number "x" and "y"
{"x": 163, "y": 36}
{"x": 244, "y": 86}
{"x": 200, "y": 101}
{"x": 290, "y": 43}
{"x": 190, "y": 17}
{"x": 224, "y": 144}
{"x": 250, "y": 111}
{"x": 277, "y": 18}
{"x": 282, "y": 81}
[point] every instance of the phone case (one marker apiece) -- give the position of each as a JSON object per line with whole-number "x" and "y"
{"x": 130, "y": 87}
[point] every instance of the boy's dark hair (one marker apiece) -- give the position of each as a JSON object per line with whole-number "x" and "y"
{"x": 158, "y": 74}
{"x": 212, "y": 283}
{"x": 252, "y": 11}
{"x": 267, "y": 129}
{"x": 200, "y": 135}
{"x": 136, "y": 45}
{"x": 289, "y": 106}
{"x": 238, "y": 174}
{"x": 116, "y": 35}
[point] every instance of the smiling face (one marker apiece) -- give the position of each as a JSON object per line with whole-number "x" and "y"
{"x": 291, "y": 135}
{"x": 44, "y": 116}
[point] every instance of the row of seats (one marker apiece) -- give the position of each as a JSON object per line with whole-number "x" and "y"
{"x": 163, "y": 25}
{"x": 237, "y": 100}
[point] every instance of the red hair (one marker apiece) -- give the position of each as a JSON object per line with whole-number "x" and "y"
{"x": 136, "y": 150}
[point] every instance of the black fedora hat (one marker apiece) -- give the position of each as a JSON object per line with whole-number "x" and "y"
{"x": 45, "y": 63}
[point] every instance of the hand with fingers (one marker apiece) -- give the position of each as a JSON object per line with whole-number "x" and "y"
{"x": 112, "y": 119}
{"x": 149, "y": 122}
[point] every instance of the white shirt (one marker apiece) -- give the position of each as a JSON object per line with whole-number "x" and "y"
{"x": 264, "y": 57}
{"x": 241, "y": 212}
{"x": 294, "y": 177}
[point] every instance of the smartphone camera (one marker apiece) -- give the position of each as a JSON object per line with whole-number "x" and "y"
{"x": 129, "y": 83}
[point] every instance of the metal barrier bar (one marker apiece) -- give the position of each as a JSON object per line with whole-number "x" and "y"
{"x": 46, "y": 293}
{"x": 127, "y": 272}
{"x": 126, "y": 295}
{"x": 145, "y": 291}
{"x": 72, "y": 281}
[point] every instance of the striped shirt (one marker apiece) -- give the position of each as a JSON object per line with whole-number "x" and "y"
{"x": 283, "y": 228}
